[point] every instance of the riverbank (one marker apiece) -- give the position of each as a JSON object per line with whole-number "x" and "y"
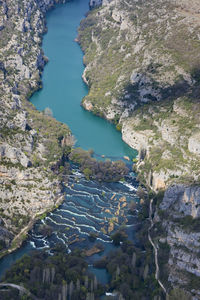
{"x": 22, "y": 235}
{"x": 30, "y": 140}
{"x": 143, "y": 87}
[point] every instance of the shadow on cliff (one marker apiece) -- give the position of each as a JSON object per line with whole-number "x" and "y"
{"x": 181, "y": 88}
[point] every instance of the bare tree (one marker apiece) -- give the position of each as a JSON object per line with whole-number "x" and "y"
{"x": 52, "y": 274}
{"x": 92, "y": 285}
{"x": 78, "y": 285}
{"x": 71, "y": 289}
{"x": 64, "y": 291}
{"x": 95, "y": 283}
{"x": 133, "y": 261}
{"x": 86, "y": 282}
{"x": 146, "y": 271}
{"x": 117, "y": 271}
{"x": 48, "y": 112}
{"x": 46, "y": 275}
{"x": 68, "y": 140}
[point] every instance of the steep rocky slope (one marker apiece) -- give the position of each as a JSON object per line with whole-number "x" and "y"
{"x": 176, "y": 235}
{"x": 146, "y": 54}
{"x": 142, "y": 62}
{"x": 142, "y": 67}
{"x": 30, "y": 142}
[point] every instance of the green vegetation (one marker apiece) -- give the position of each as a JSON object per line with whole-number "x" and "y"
{"x": 50, "y": 277}
{"x": 110, "y": 48}
{"x": 171, "y": 75}
{"x": 171, "y": 124}
{"x": 131, "y": 270}
{"x": 118, "y": 237}
{"x": 49, "y": 131}
{"x": 177, "y": 294}
{"x": 188, "y": 223}
{"x": 98, "y": 170}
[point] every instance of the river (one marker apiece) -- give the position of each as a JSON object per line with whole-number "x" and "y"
{"x": 64, "y": 88}
{"x": 89, "y": 206}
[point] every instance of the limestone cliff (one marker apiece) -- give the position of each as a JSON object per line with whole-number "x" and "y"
{"x": 29, "y": 140}
{"x": 142, "y": 67}
{"x": 176, "y": 229}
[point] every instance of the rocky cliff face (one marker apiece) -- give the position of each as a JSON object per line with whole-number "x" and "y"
{"x": 178, "y": 215}
{"x": 142, "y": 68}
{"x": 96, "y": 3}
{"x": 29, "y": 140}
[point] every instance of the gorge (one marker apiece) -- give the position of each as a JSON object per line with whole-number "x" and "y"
{"x": 146, "y": 84}
{"x": 88, "y": 206}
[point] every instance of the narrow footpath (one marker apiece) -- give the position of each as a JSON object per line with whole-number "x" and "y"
{"x": 155, "y": 248}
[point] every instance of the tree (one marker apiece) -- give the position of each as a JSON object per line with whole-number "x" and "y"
{"x": 118, "y": 236}
{"x": 71, "y": 289}
{"x": 68, "y": 140}
{"x": 95, "y": 283}
{"x": 48, "y": 112}
{"x": 117, "y": 272}
{"x": 86, "y": 282}
{"x": 177, "y": 294}
{"x": 64, "y": 291}
{"x": 87, "y": 172}
{"x": 132, "y": 206}
{"x": 133, "y": 261}
{"x": 146, "y": 271}
{"x": 78, "y": 285}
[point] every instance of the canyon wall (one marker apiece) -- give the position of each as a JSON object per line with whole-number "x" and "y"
{"x": 29, "y": 140}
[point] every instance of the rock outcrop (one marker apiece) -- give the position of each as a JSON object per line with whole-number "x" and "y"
{"x": 185, "y": 200}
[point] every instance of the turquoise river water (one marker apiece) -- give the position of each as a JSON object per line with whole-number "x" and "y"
{"x": 64, "y": 88}
{"x": 88, "y": 205}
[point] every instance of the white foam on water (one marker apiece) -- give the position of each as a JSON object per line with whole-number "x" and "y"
{"x": 74, "y": 206}
{"x": 99, "y": 199}
{"x": 72, "y": 213}
{"x": 63, "y": 218}
{"x": 53, "y": 221}
{"x": 131, "y": 225}
{"x": 59, "y": 238}
{"x": 77, "y": 173}
{"x": 32, "y": 244}
{"x": 99, "y": 239}
{"x": 78, "y": 193}
{"x": 66, "y": 225}
{"x": 64, "y": 234}
{"x": 88, "y": 226}
{"x": 37, "y": 236}
{"x": 44, "y": 247}
{"x": 80, "y": 215}
{"x": 130, "y": 186}
{"x": 89, "y": 188}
